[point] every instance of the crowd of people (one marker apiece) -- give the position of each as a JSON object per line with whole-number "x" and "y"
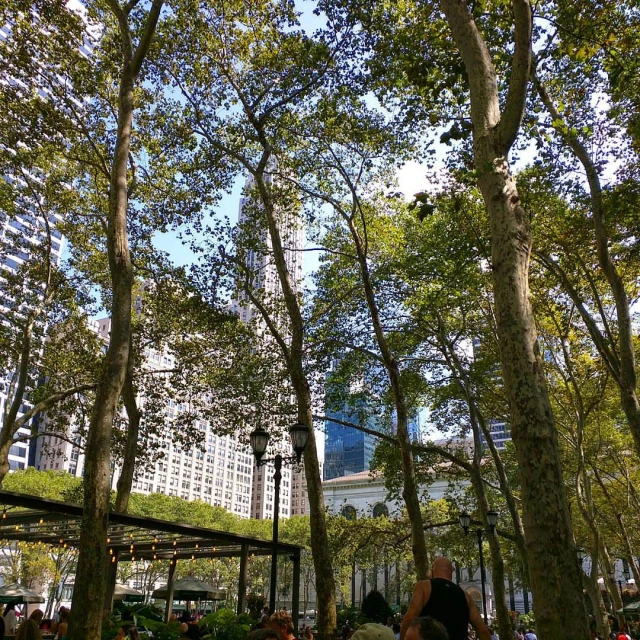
{"x": 32, "y": 627}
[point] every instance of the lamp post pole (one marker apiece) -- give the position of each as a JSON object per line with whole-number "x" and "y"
{"x": 482, "y": 576}
{"x": 492, "y": 520}
{"x": 277, "y": 477}
{"x": 626, "y": 576}
{"x": 259, "y": 440}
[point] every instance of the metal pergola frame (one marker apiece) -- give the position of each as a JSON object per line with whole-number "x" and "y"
{"x": 36, "y": 520}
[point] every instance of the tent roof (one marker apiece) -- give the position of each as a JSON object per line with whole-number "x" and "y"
{"x": 191, "y": 589}
{"x": 38, "y": 520}
{"x": 127, "y": 594}
{"x": 17, "y": 593}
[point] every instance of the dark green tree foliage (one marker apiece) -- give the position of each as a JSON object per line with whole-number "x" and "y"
{"x": 375, "y": 607}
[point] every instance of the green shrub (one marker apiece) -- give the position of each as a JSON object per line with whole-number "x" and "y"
{"x": 160, "y": 630}
{"x": 224, "y": 624}
{"x": 376, "y": 608}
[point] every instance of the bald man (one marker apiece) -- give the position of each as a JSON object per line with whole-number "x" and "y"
{"x": 446, "y": 602}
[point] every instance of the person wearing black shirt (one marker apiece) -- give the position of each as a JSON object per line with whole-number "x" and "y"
{"x": 444, "y": 601}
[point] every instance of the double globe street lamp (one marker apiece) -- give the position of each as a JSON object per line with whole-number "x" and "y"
{"x": 465, "y": 523}
{"x": 259, "y": 439}
{"x": 626, "y": 575}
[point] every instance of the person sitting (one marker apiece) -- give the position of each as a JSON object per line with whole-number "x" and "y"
{"x": 30, "y": 629}
{"x": 426, "y": 629}
{"x": 282, "y": 622}
{"x": 63, "y": 625}
{"x": 264, "y": 634}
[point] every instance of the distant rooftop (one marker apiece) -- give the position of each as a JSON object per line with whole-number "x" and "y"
{"x": 361, "y": 476}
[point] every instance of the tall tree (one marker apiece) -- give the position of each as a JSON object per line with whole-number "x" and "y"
{"x": 239, "y": 106}
{"x": 132, "y": 22}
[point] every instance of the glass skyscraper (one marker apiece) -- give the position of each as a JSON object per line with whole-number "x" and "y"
{"x": 347, "y": 450}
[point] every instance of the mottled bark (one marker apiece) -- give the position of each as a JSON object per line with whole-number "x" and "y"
{"x": 496, "y": 559}
{"x": 553, "y": 569}
{"x": 607, "y": 566}
{"x": 293, "y": 354}
{"x": 592, "y": 587}
{"x": 409, "y": 481}
{"x": 90, "y": 583}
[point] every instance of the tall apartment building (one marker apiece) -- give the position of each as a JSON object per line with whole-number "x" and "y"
{"x": 219, "y": 472}
{"x": 18, "y": 232}
{"x": 23, "y": 228}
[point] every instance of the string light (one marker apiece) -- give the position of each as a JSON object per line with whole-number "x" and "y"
{"x": 4, "y": 513}
{"x": 113, "y": 559}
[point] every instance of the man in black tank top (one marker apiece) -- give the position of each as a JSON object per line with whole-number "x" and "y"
{"x": 446, "y": 602}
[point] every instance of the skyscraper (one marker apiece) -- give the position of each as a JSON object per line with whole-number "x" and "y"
{"x": 266, "y": 282}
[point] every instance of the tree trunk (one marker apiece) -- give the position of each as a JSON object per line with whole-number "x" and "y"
{"x": 480, "y": 424}
{"x": 497, "y": 561}
{"x": 294, "y": 357}
{"x": 125, "y": 481}
{"x": 90, "y": 584}
{"x": 127, "y": 473}
{"x": 89, "y": 591}
{"x": 553, "y": 569}
{"x": 409, "y": 481}
{"x": 607, "y": 568}
{"x": 595, "y": 595}
{"x": 15, "y": 399}
{"x": 621, "y": 525}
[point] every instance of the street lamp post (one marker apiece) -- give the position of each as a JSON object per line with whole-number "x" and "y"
{"x": 259, "y": 439}
{"x": 626, "y": 575}
{"x": 465, "y": 523}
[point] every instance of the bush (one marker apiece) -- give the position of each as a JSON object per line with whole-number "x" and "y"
{"x": 376, "y": 608}
{"x": 353, "y": 615}
{"x": 224, "y": 624}
{"x": 160, "y": 630}
{"x": 527, "y": 620}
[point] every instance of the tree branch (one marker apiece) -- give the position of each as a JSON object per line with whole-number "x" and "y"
{"x": 520, "y": 69}
{"x": 146, "y": 38}
{"x": 54, "y": 398}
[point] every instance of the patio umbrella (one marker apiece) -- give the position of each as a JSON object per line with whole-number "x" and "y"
{"x": 20, "y": 595}
{"x": 127, "y": 594}
{"x": 191, "y": 589}
{"x": 632, "y": 607}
